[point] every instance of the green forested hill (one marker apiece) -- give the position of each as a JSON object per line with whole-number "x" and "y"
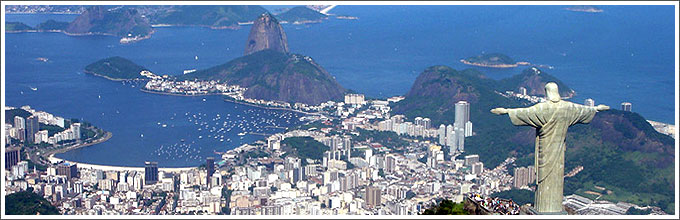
{"x": 28, "y": 203}
{"x": 215, "y": 16}
{"x": 617, "y": 149}
{"x": 115, "y": 68}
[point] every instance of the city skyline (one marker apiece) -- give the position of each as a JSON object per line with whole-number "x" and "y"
{"x": 150, "y": 123}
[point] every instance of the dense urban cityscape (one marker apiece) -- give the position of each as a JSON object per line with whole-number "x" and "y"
{"x": 276, "y": 177}
{"x": 109, "y": 111}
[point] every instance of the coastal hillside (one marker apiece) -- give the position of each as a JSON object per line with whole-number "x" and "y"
{"x": 613, "y": 146}
{"x": 115, "y": 68}
{"x": 213, "y": 16}
{"x": 303, "y": 148}
{"x": 48, "y": 26}
{"x": 52, "y": 25}
{"x": 266, "y": 33}
{"x": 438, "y": 88}
{"x": 272, "y": 75}
{"x": 616, "y": 146}
{"x": 534, "y": 80}
{"x": 28, "y": 203}
{"x": 17, "y": 27}
{"x": 301, "y": 14}
{"x": 10, "y": 114}
{"x": 122, "y": 23}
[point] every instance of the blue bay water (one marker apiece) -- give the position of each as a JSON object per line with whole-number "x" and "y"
{"x": 624, "y": 54}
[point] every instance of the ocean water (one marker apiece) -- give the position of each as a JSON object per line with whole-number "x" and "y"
{"x": 624, "y": 54}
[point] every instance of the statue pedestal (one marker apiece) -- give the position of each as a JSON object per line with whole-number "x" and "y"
{"x": 532, "y": 211}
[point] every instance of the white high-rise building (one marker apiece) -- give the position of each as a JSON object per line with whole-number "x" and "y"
{"x": 468, "y": 129}
{"x": 462, "y": 118}
{"x": 418, "y": 121}
{"x": 626, "y": 106}
{"x": 522, "y": 91}
{"x": 451, "y": 138}
{"x": 390, "y": 164}
{"x": 369, "y": 153}
{"x": 354, "y": 99}
{"x": 460, "y": 139}
{"x": 471, "y": 159}
{"x": 41, "y": 136}
{"x": 427, "y": 123}
{"x": 442, "y": 134}
{"x": 19, "y": 122}
{"x": 462, "y": 113}
{"x": 477, "y": 168}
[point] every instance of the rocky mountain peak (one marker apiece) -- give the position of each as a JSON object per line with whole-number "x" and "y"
{"x": 266, "y": 33}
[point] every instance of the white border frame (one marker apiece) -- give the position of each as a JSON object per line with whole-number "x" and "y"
{"x": 677, "y": 73}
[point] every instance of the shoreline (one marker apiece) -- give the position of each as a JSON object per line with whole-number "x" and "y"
{"x": 106, "y": 137}
{"x": 103, "y": 76}
{"x": 112, "y": 79}
{"x": 270, "y": 108}
{"x": 122, "y": 40}
{"x": 505, "y": 66}
{"x": 80, "y": 165}
{"x": 492, "y": 65}
{"x": 228, "y": 100}
{"x": 230, "y": 27}
{"x": 53, "y": 159}
{"x": 175, "y": 94}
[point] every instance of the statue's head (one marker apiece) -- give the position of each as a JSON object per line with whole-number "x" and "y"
{"x": 551, "y": 92}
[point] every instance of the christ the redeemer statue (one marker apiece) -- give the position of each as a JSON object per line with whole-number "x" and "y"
{"x": 551, "y": 120}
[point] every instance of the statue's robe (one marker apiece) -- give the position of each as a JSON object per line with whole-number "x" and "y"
{"x": 551, "y": 120}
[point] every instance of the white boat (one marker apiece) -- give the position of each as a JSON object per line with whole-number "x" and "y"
{"x": 242, "y": 133}
{"x": 34, "y": 89}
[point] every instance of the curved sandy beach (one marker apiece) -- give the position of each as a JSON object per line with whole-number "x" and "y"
{"x": 54, "y": 159}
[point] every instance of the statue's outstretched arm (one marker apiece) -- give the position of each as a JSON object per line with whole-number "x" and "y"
{"x": 499, "y": 111}
{"x": 601, "y": 107}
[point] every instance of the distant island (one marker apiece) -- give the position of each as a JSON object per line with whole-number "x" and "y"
{"x": 585, "y": 8}
{"x": 493, "y": 60}
{"x": 135, "y": 23}
{"x": 128, "y": 24}
{"x": 47, "y": 26}
{"x": 16, "y": 27}
{"x": 118, "y": 69}
{"x": 301, "y": 15}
